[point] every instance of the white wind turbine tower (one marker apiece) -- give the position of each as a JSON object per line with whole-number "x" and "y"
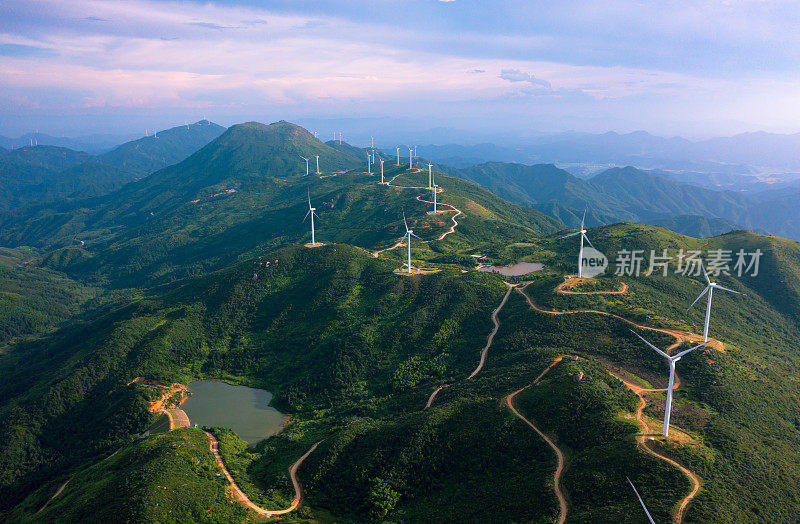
{"x": 430, "y": 175}
{"x": 381, "y": 161}
{"x": 311, "y": 212}
{"x": 408, "y": 235}
{"x": 318, "y": 172}
{"x": 340, "y": 137}
{"x": 435, "y": 189}
{"x": 410, "y": 158}
{"x": 369, "y": 164}
{"x": 641, "y": 502}
{"x": 582, "y": 233}
{"x": 306, "y": 159}
{"x": 710, "y": 287}
{"x": 398, "y": 156}
{"x": 672, "y": 360}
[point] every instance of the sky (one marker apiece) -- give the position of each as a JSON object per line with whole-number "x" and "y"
{"x": 695, "y": 69}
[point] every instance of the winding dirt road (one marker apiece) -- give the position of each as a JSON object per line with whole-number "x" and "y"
{"x": 401, "y": 242}
{"x": 433, "y": 396}
{"x": 680, "y": 336}
{"x": 562, "y": 500}
{"x": 641, "y": 439}
{"x": 490, "y": 338}
{"x": 485, "y": 350}
{"x": 240, "y": 495}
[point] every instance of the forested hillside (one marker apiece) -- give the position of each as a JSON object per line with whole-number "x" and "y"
{"x": 353, "y": 351}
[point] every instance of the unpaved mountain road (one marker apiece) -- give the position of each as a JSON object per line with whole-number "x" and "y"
{"x": 641, "y": 439}
{"x": 240, "y": 495}
{"x": 401, "y": 242}
{"x": 490, "y": 338}
{"x": 680, "y": 338}
{"x": 509, "y": 400}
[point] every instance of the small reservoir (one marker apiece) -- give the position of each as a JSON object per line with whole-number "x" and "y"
{"x": 515, "y": 270}
{"x": 240, "y": 408}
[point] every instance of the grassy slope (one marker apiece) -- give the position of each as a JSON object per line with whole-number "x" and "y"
{"x": 164, "y": 478}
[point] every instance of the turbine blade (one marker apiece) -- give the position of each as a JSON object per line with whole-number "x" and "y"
{"x": 732, "y": 291}
{"x": 583, "y": 220}
{"x": 307, "y": 213}
{"x": 682, "y": 353}
{"x": 404, "y": 220}
{"x": 572, "y": 234}
{"x": 698, "y": 298}
{"x": 651, "y": 345}
{"x": 309, "y": 198}
{"x": 587, "y": 239}
{"x": 705, "y": 274}
{"x": 641, "y": 502}
{"x": 415, "y": 235}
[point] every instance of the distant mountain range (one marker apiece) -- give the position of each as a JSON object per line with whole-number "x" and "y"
{"x": 33, "y": 174}
{"x": 746, "y": 154}
{"x": 92, "y": 144}
{"x": 632, "y": 195}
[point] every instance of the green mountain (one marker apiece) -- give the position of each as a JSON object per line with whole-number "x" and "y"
{"x": 46, "y": 173}
{"x": 246, "y": 192}
{"x": 352, "y": 351}
{"x": 25, "y": 173}
{"x": 199, "y": 271}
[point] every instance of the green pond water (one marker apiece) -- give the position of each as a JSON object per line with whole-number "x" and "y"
{"x": 244, "y": 410}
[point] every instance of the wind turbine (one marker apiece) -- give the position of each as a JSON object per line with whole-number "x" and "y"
{"x": 311, "y": 212}
{"x": 435, "y": 189}
{"x": 340, "y": 138}
{"x": 672, "y": 360}
{"x": 430, "y": 175}
{"x": 398, "y": 156}
{"x": 369, "y": 164}
{"x": 408, "y": 235}
{"x": 381, "y": 161}
{"x": 306, "y": 159}
{"x": 641, "y": 502}
{"x": 410, "y": 158}
{"x": 318, "y": 172}
{"x": 582, "y": 233}
{"x": 710, "y": 287}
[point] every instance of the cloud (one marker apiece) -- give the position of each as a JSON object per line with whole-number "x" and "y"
{"x": 211, "y": 25}
{"x": 515, "y": 75}
{"x": 476, "y": 71}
